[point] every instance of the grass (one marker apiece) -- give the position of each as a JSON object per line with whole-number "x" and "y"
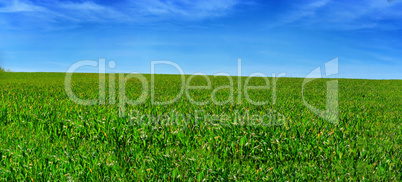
{"x": 44, "y": 136}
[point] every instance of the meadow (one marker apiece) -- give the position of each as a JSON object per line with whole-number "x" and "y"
{"x": 45, "y": 136}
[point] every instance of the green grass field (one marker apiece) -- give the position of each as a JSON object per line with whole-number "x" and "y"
{"x": 45, "y": 136}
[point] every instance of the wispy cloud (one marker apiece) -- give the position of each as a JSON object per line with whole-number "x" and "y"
{"x": 299, "y": 11}
{"x": 82, "y": 6}
{"x": 341, "y": 15}
{"x": 184, "y": 8}
{"x": 18, "y": 6}
{"x": 68, "y": 13}
{"x": 386, "y": 59}
{"x": 20, "y": 14}
{"x": 90, "y": 12}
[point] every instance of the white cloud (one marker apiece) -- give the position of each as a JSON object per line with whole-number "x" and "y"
{"x": 299, "y": 12}
{"x": 364, "y": 15}
{"x": 339, "y": 15}
{"x": 18, "y": 6}
{"x": 84, "y": 6}
{"x": 56, "y": 15}
{"x": 184, "y": 8}
{"x": 90, "y": 12}
{"x": 317, "y": 4}
{"x": 386, "y": 59}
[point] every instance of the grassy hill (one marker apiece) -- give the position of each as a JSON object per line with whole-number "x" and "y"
{"x": 204, "y": 134}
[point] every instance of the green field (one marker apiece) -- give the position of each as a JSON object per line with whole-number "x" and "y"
{"x": 45, "y": 136}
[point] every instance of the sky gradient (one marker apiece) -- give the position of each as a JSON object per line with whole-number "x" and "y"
{"x": 292, "y": 37}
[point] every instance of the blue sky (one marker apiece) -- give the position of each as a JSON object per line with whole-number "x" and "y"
{"x": 292, "y": 37}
